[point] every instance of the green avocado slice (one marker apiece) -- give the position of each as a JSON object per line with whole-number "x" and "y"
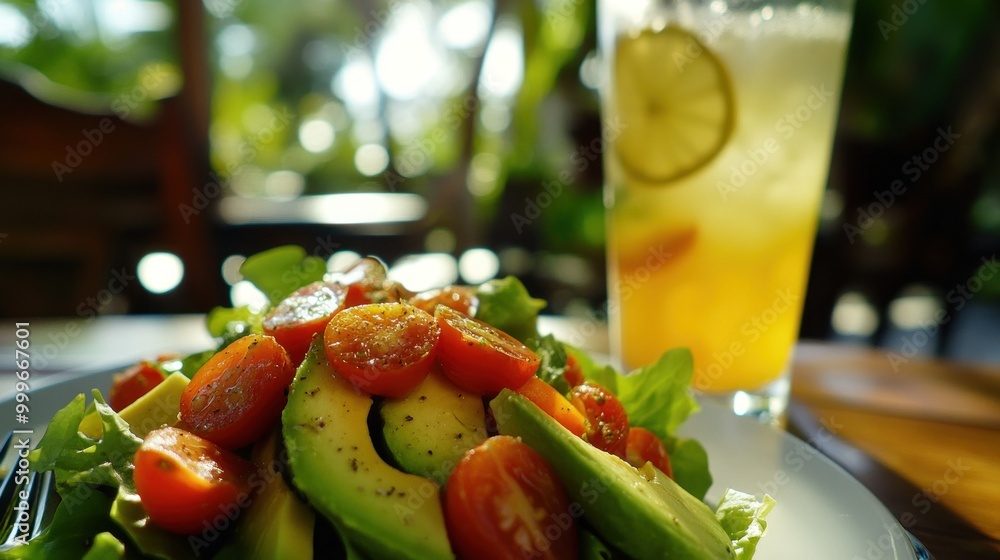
{"x": 383, "y": 512}
{"x": 431, "y": 429}
{"x": 638, "y": 511}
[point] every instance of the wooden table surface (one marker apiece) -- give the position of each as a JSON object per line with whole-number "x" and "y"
{"x": 922, "y": 435}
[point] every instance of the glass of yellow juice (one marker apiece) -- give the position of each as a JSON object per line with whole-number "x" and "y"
{"x": 718, "y": 121}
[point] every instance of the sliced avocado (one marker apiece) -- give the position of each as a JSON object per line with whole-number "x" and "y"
{"x": 156, "y": 409}
{"x": 277, "y": 524}
{"x": 618, "y": 500}
{"x": 430, "y": 430}
{"x": 384, "y": 512}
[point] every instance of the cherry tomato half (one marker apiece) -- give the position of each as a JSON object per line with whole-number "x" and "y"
{"x": 136, "y": 381}
{"x": 607, "y": 422}
{"x": 295, "y": 320}
{"x": 385, "y": 349}
{"x": 554, "y": 404}
{"x": 479, "y": 357}
{"x": 503, "y": 501}
{"x": 643, "y": 446}
{"x": 237, "y": 396}
{"x": 460, "y": 298}
{"x": 185, "y": 482}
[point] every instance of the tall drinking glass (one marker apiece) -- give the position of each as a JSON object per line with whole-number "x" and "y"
{"x": 719, "y": 118}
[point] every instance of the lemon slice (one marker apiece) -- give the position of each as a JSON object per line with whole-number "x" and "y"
{"x": 674, "y": 98}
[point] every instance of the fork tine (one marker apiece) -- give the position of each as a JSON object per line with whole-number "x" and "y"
{"x": 8, "y": 460}
{"x": 14, "y": 535}
{"x": 38, "y": 489}
{"x": 45, "y": 506}
{"x": 8, "y": 486}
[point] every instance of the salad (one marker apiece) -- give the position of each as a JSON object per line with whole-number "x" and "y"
{"x": 352, "y": 418}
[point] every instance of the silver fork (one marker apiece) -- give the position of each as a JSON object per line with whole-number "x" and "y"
{"x": 28, "y": 499}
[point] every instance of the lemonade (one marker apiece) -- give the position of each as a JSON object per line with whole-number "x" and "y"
{"x": 715, "y": 182}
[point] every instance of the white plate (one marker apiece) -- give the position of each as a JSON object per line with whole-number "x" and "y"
{"x": 822, "y": 512}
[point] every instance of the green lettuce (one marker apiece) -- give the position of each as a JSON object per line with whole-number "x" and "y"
{"x": 506, "y": 304}
{"x": 76, "y": 459}
{"x": 280, "y": 271}
{"x": 742, "y": 516}
{"x": 230, "y": 323}
{"x": 552, "y": 368}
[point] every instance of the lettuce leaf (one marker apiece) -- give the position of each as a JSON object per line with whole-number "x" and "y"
{"x": 742, "y": 516}
{"x": 230, "y": 323}
{"x": 552, "y": 368}
{"x": 506, "y": 304}
{"x": 658, "y": 397}
{"x": 76, "y": 459}
{"x": 280, "y": 271}
{"x": 689, "y": 461}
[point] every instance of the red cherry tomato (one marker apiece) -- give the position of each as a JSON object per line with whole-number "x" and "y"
{"x": 479, "y": 357}
{"x": 237, "y": 396}
{"x": 185, "y": 482}
{"x": 385, "y": 349}
{"x": 554, "y": 404}
{"x": 607, "y": 423}
{"x": 573, "y": 374}
{"x": 460, "y": 298}
{"x": 643, "y": 446}
{"x": 503, "y": 501}
{"x": 136, "y": 381}
{"x": 295, "y": 320}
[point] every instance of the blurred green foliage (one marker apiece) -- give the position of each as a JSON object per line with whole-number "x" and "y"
{"x": 92, "y": 56}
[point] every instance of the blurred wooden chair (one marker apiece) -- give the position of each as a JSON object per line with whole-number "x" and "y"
{"x": 85, "y": 195}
